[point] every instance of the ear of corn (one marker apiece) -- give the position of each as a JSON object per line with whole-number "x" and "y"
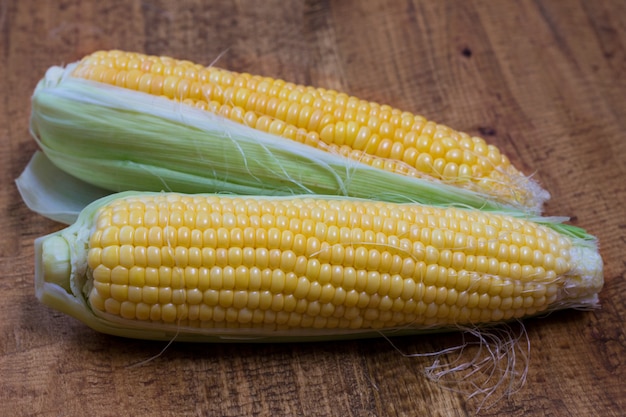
{"x": 130, "y": 121}
{"x": 209, "y": 267}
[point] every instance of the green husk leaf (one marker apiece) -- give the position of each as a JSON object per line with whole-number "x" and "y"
{"x": 52, "y": 193}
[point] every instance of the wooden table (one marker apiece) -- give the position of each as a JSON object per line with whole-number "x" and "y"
{"x": 543, "y": 80}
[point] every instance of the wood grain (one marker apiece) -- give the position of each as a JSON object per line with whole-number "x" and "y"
{"x": 543, "y": 80}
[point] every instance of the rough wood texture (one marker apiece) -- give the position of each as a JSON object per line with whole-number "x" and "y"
{"x": 544, "y": 80}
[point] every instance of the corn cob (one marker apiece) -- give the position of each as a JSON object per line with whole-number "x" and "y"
{"x": 211, "y": 267}
{"x": 125, "y": 121}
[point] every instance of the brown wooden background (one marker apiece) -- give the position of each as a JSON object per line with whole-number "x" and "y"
{"x": 543, "y": 80}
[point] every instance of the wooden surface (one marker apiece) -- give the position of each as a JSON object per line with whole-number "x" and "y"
{"x": 543, "y": 80}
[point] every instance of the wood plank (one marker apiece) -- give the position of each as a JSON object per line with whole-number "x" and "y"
{"x": 543, "y": 80}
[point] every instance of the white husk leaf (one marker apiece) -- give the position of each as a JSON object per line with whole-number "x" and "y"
{"x": 54, "y": 194}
